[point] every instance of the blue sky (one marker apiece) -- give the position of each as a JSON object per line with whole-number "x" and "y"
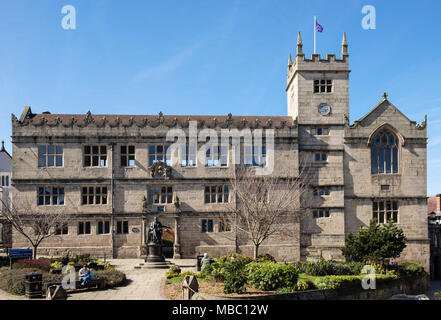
{"x": 213, "y": 57}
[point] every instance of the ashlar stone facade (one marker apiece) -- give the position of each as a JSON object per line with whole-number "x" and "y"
{"x": 356, "y": 175}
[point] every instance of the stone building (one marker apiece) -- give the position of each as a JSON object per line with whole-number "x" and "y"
{"x": 5, "y": 194}
{"x": 104, "y": 170}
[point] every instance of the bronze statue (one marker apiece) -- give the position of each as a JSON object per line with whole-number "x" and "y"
{"x": 155, "y": 231}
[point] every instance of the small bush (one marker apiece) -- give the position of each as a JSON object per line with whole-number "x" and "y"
{"x": 270, "y": 276}
{"x": 303, "y": 285}
{"x": 41, "y": 264}
{"x": 236, "y": 256}
{"x": 335, "y": 282}
{"x": 174, "y": 271}
{"x": 285, "y": 290}
{"x": 325, "y": 268}
{"x": 218, "y": 271}
{"x": 235, "y": 276}
{"x": 111, "y": 278}
{"x": 265, "y": 258}
{"x": 409, "y": 268}
{"x": 207, "y": 270}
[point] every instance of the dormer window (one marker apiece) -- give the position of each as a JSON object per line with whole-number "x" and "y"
{"x": 322, "y": 86}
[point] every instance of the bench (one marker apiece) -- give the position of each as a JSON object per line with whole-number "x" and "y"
{"x": 97, "y": 283}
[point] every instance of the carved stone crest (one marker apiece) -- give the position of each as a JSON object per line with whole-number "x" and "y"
{"x": 160, "y": 170}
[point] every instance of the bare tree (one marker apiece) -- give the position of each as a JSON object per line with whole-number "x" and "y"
{"x": 264, "y": 205}
{"x": 35, "y": 227}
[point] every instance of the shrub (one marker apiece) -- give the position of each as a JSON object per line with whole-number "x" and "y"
{"x": 324, "y": 268}
{"x": 218, "y": 271}
{"x": 284, "y": 290}
{"x": 270, "y": 275}
{"x": 235, "y": 276}
{"x": 375, "y": 243}
{"x": 13, "y": 281}
{"x": 265, "y": 258}
{"x": 409, "y": 268}
{"x": 108, "y": 266}
{"x": 236, "y": 256}
{"x": 174, "y": 271}
{"x": 335, "y": 282}
{"x": 207, "y": 270}
{"x": 41, "y": 264}
{"x": 111, "y": 278}
{"x": 303, "y": 285}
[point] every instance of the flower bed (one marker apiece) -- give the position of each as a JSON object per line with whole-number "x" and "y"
{"x": 12, "y": 281}
{"x": 241, "y": 275}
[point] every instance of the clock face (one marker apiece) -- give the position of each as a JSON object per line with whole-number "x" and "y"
{"x": 324, "y": 109}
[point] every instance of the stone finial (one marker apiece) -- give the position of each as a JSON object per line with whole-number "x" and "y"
{"x": 344, "y": 46}
{"x": 289, "y": 61}
{"x": 385, "y": 96}
{"x": 299, "y": 45}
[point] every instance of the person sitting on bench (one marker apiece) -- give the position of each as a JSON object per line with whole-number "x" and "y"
{"x": 85, "y": 276}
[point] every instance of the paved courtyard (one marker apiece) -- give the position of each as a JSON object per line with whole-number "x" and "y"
{"x": 142, "y": 284}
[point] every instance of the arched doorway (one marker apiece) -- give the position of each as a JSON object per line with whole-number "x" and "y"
{"x": 168, "y": 239}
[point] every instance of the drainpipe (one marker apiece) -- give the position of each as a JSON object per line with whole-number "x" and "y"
{"x": 112, "y": 191}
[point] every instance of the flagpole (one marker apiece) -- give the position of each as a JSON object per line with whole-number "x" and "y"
{"x": 315, "y": 29}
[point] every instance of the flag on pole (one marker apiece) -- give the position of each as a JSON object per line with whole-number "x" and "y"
{"x": 318, "y": 27}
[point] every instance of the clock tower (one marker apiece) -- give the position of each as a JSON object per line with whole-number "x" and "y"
{"x": 318, "y": 98}
{"x": 318, "y": 89}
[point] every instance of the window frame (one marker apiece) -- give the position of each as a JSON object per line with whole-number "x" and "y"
{"x": 50, "y": 155}
{"x": 326, "y": 84}
{"x": 99, "y": 154}
{"x": 122, "y": 227}
{"x": 387, "y": 154}
{"x": 319, "y": 213}
{"x": 224, "y": 194}
{"x": 189, "y": 156}
{"x": 317, "y": 192}
{"x": 105, "y": 226}
{"x": 251, "y": 151}
{"x": 168, "y": 195}
{"x": 380, "y": 210}
{"x": 44, "y": 195}
{"x": 157, "y": 154}
{"x": 324, "y": 131}
{"x": 205, "y": 226}
{"x": 94, "y": 195}
{"x": 127, "y": 155}
{"x": 211, "y": 157}
{"x": 60, "y": 229}
{"x": 86, "y": 225}
{"x": 321, "y": 154}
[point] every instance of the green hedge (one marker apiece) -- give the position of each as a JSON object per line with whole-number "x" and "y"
{"x": 325, "y": 268}
{"x": 336, "y": 282}
{"x": 271, "y": 276}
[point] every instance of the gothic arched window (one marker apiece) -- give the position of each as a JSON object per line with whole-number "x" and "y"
{"x": 384, "y": 153}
